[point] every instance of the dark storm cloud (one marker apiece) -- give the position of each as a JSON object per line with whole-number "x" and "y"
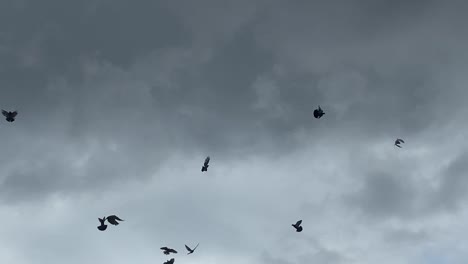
{"x": 120, "y": 101}
{"x": 451, "y": 189}
{"x": 401, "y": 236}
{"x": 385, "y": 196}
{"x": 321, "y": 256}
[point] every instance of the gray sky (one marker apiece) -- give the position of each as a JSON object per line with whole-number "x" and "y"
{"x": 120, "y": 102}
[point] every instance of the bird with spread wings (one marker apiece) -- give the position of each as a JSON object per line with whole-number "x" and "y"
{"x": 171, "y": 261}
{"x": 190, "y": 251}
{"x": 168, "y": 251}
{"x": 10, "y": 116}
{"x": 398, "y": 142}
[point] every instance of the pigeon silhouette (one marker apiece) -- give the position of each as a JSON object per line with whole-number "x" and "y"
{"x": 298, "y": 226}
{"x": 103, "y": 226}
{"x": 168, "y": 251}
{"x": 190, "y": 251}
{"x": 318, "y": 113}
{"x": 171, "y": 261}
{"x": 205, "y": 164}
{"x": 112, "y": 219}
{"x": 10, "y": 116}
{"x": 398, "y": 142}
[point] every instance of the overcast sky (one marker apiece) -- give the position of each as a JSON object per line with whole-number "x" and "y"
{"x": 120, "y": 102}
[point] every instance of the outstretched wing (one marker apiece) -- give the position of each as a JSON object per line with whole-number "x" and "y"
{"x": 13, "y": 114}
{"x": 164, "y": 248}
{"x": 196, "y": 246}
{"x": 298, "y": 223}
{"x": 188, "y": 248}
{"x": 5, "y": 113}
{"x": 173, "y": 251}
{"x": 207, "y": 160}
{"x": 401, "y": 140}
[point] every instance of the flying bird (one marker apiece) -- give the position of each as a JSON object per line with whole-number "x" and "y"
{"x": 191, "y": 250}
{"x": 318, "y": 113}
{"x": 298, "y": 226}
{"x": 168, "y": 251}
{"x": 10, "y": 116}
{"x": 398, "y": 142}
{"x": 103, "y": 226}
{"x": 205, "y": 164}
{"x": 112, "y": 219}
{"x": 171, "y": 261}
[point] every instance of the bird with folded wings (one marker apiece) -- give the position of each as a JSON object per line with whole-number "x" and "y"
{"x": 205, "y": 164}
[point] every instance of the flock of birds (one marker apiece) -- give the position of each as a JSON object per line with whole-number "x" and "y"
{"x": 114, "y": 220}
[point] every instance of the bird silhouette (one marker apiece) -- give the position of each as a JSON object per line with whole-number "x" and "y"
{"x": 168, "y": 251}
{"x": 318, "y": 113}
{"x": 190, "y": 251}
{"x": 205, "y": 164}
{"x": 171, "y": 261}
{"x": 398, "y": 142}
{"x": 103, "y": 226}
{"x": 10, "y": 116}
{"x": 298, "y": 226}
{"x": 112, "y": 219}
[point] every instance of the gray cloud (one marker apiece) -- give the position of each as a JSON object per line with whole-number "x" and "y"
{"x": 120, "y": 102}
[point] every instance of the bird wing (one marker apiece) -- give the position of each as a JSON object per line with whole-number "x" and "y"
{"x": 173, "y": 251}
{"x": 5, "y": 113}
{"x": 117, "y": 218}
{"x": 164, "y": 248}
{"x": 207, "y": 160}
{"x": 196, "y": 246}
{"x": 13, "y": 114}
{"x": 188, "y": 248}
{"x": 401, "y": 140}
{"x": 298, "y": 223}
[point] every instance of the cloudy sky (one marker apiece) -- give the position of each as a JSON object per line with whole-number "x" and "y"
{"x": 120, "y": 102}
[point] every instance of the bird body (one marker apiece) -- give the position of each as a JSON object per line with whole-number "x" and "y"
{"x": 10, "y": 116}
{"x": 112, "y": 219}
{"x": 298, "y": 226}
{"x": 318, "y": 113}
{"x": 190, "y": 251}
{"x": 103, "y": 226}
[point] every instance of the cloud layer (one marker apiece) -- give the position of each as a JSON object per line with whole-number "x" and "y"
{"x": 119, "y": 103}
